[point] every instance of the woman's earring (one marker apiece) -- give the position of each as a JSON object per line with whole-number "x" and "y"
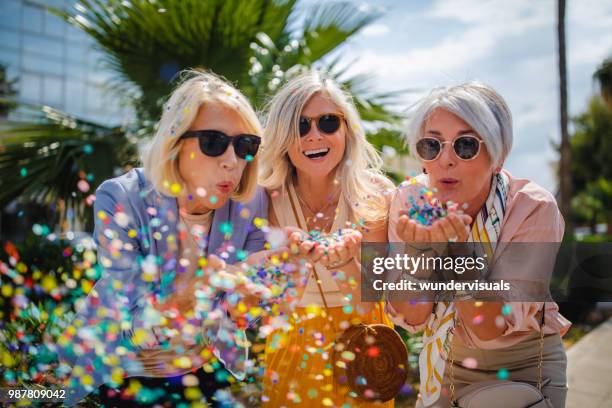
{"x": 497, "y": 170}
{"x": 424, "y": 170}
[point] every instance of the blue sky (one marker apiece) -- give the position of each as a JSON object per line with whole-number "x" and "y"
{"x": 511, "y": 45}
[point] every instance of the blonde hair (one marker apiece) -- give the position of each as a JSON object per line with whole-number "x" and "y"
{"x": 359, "y": 173}
{"x": 195, "y": 88}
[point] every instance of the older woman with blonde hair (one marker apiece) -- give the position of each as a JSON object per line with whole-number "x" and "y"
{"x": 165, "y": 233}
{"x": 462, "y": 135}
{"x": 323, "y": 178}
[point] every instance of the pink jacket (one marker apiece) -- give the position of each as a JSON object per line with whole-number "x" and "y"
{"x": 532, "y": 215}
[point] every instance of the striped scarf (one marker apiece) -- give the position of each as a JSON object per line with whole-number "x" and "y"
{"x": 438, "y": 332}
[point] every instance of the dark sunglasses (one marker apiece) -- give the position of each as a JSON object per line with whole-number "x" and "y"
{"x": 327, "y": 123}
{"x": 214, "y": 143}
{"x": 466, "y": 147}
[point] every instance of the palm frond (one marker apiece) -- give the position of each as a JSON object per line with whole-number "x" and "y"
{"x": 329, "y": 25}
{"x": 51, "y": 156}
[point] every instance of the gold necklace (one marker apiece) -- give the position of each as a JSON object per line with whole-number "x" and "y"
{"x": 314, "y": 216}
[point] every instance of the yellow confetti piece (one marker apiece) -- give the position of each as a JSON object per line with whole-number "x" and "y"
{"x": 140, "y": 336}
{"x": 192, "y": 155}
{"x": 193, "y": 393}
{"x": 134, "y": 387}
{"x": 117, "y": 376}
{"x": 7, "y": 359}
{"x": 87, "y": 380}
{"x": 327, "y": 402}
{"x": 21, "y": 267}
{"x": 132, "y": 233}
{"x": 86, "y": 286}
{"x": 48, "y": 283}
{"x": 260, "y": 222}
{"x": 101, "y": 215}
{"x": 313, "y": 309}
{"x": 478, "y": 303}
{"x": 182, "y": 362}
{"x": 113, "y": 360}
{"x": 175, "y": 188}
{"x": 7, "y": 291}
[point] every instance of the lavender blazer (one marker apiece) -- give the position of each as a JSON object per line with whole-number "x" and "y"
{"x": 136, "y": 228}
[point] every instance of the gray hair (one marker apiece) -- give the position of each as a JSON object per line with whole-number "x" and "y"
{"x": 479, "y": 105}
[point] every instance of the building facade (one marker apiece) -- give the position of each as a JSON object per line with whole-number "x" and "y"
{"x": 55, "y": 63}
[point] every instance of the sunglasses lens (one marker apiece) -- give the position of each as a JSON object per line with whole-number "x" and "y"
{"x": 213, "y": 143}
{"x": 329, "y": 123}
{"x": 466, "y": 147}
{"x": 428, "y": 148}
{"x": 246, "y": 145}
{"x": 304, "y": 126}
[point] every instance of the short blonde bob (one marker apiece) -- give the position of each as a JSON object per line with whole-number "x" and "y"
{"x": 196, "y": 87}
{"x": 359, "y": 173}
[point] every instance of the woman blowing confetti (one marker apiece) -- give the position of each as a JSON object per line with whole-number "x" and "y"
{"x": 324, "y": 179}
{"x": 159, "y": 313}
{"x": 462, "y": 136}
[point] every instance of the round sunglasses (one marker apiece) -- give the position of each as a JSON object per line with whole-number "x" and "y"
{"x": 466, "y": 147}
{"x": 214, "y": 143}
{"x": 327, "y": 123}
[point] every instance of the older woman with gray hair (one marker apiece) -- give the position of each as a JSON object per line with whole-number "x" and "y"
{"x": 462, "y": 136}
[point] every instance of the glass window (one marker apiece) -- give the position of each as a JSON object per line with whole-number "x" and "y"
{"x": 94, "y": 99}
{"x": 52, "y": 91}
{"x": 43, "y": 46}
{"x": 10, "y": 10}
{"x": 9, "y": 57}
{"x": 44, "y": 65}
{"x": 30, "y": 86}
{"x": 9, "y": 38}
{"x": 94, "y": 58}
{"x": 54, "y": 25}
{"x": 75, "y": 70}
{"x": 32, "y": 18}
{"x": 76, "y": 52}
{"x": 74, "y": 96}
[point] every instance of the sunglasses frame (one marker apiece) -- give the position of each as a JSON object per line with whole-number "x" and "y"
{"x": 442, "y": 143}
{"x": 233, "y": 140}
{"x": 317, "y": 121}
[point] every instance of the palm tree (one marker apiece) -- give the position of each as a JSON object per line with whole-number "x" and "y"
{"x": 565, "y": 148}
{"x": 7, "y": 91}
{"x": 603, "y": 76}
{"x": 256, "y": 44}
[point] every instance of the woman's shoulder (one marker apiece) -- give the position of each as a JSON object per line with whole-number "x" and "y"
{"x": 132, "y": 182}
{"x": 532, "y": 207}
{"x": 528, "y": 193}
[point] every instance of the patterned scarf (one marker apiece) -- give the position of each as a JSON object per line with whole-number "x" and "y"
{"x": 438, "y": 332}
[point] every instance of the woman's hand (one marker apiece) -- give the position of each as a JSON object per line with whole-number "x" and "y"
{"x": 452, "y": 228}
{"x": 338, "y": 252}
